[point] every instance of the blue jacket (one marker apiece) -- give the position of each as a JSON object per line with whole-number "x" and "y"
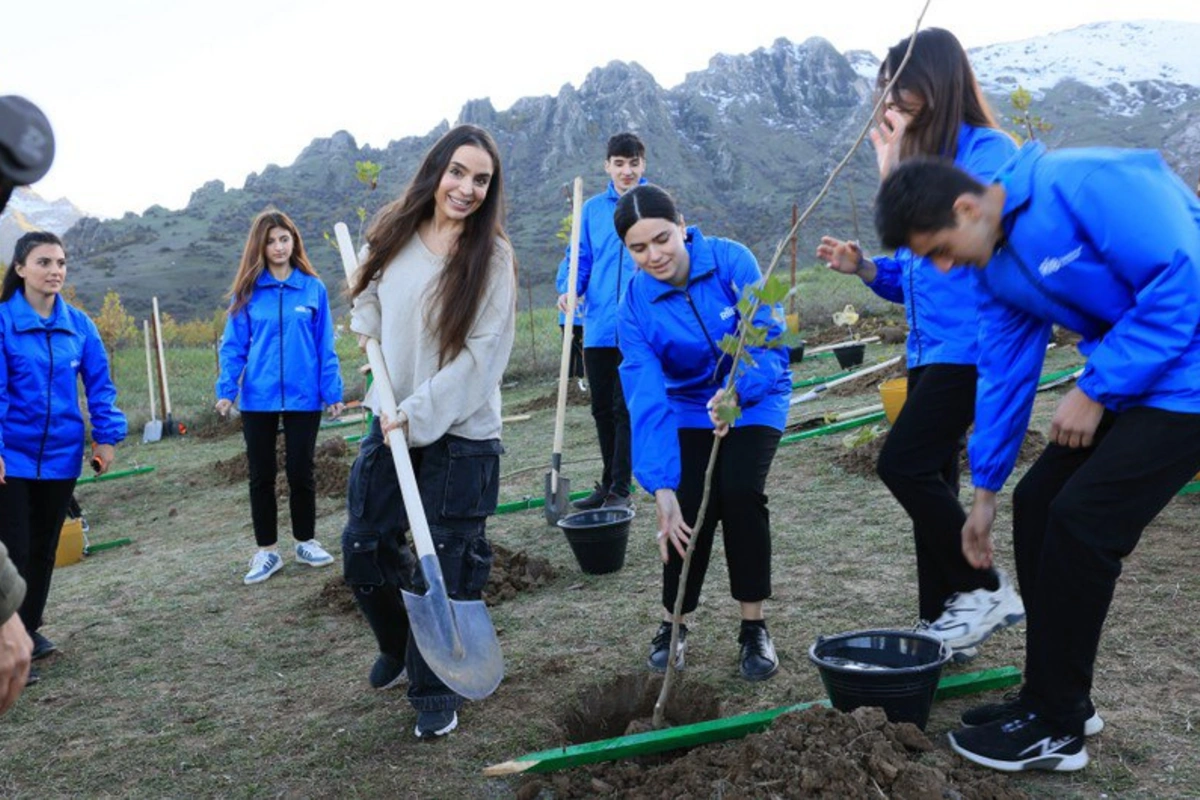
{"x": 940, "y": 309}
{"x": 280, "y": 344}
{"x": 604, "y": 268}
{"x": 43, "y": 431}
{"x": 1106, "y": 243}
{"x": 672, "y": 362}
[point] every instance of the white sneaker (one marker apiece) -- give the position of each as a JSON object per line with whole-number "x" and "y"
{"x": 264, "y": 564}
{"x": 971, "y": 617}
{"x": 313, "y": 554}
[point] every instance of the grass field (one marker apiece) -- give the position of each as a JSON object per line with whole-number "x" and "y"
{"x": 175, "y": 680}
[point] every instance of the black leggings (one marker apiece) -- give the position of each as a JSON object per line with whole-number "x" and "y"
{"x": 31, "y": 518}
{"x": 611, "y": 416}
{"x": 261, "y": 429}
{"x": 919, "y": 465}
{"x": 737, "y": 501}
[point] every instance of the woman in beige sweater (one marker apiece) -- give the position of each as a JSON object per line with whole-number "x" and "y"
{"x": 437, "y": 288}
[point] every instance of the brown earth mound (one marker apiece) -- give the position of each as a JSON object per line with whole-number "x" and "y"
{"x": 868, "y": 383}
{"x": 861, "y": 460}
{"x": 575, "y": 397}
{"x": 331, "y": 468}
{"x": 513, "y": 573}
{"x": 817, "y": 752}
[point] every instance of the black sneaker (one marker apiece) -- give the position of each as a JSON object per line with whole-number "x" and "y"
{"x": 661, "y": 644}
{"x": 33, "y": 678}
{"x": 388, "y": 672}
{"x": 614, "y": 500}
{"x": 593, "y": 500}
{"x": 1021, "y": 742}
{"x": 42, "y": 646}
{"x": 759, "y": 661}
{"x": 1012, "y": 706}
{"x": 433, "y": 724}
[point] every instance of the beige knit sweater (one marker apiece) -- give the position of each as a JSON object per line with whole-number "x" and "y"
{"x": 463, "y": 396}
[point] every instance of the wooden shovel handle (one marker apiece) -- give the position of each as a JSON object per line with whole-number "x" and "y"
{"x": 564, "y": 367}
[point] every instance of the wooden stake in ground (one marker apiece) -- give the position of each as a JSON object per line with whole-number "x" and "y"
{"x": 660, "y": 705}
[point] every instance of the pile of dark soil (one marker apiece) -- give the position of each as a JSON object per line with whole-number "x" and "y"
{"x": 861, "y": 460}
{"x": 888, "y": 329}
{"x": 513, "y": 573}
{"x": 331, "y": 468}
{"x": 211, "y": 426}
{"x": 575, "y": 397}
{"x": 817, "y": 752}
{"x": 867, "y": 383}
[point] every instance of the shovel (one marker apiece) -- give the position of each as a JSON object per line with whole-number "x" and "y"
{"x": 162, "y": 370}
{"x": 816, "y": 391}
{"x": 558, "y": 488}
{"x": 153, "y": 430}
{"x": 455, "y": 637}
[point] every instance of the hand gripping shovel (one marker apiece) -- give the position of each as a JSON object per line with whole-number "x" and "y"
{"x": 455, "y": 637}
{"x": 153, "y": 430}
{"x": 558, "y": 488}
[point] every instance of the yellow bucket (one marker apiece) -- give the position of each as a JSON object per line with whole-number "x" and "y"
{"x": 893, "y": 393}
{"x": 70, "y": 544}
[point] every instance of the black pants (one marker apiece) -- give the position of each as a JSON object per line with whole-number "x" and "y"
{"x": 1076, "y": 514}
{"x": 736, "y": 501}
{"x": 31, "y": 518}
{"x": 459, "y": 482}
{"x": 260, "y": 429}
{"x": 575, "y": 365}
{"x": 611, "y": 416}
{"x": 919, "y": 465}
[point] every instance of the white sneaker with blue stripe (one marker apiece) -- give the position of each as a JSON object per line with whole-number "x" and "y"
{"x": 313, "y": 554}
{"x": 264, "y": 564}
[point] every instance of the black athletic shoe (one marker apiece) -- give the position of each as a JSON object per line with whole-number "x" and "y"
{"x": 1021, "y": 742}
{"x": 435, "y": 724}
{"x": 1012, "y": 706}
{"x": 759, "y": 661}
{"x": 593, "y": 500}
{"x": 388, "y": 672}
{"x": 660, "y": 645}
{"x": 33, "y": 678}
{"x": 42, "y": 646}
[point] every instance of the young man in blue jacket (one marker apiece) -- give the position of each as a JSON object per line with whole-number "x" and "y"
{"x": 1106, "y": 243}
{"x": 604, "y": 272}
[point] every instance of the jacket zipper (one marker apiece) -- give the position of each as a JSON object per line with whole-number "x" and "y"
{"x": 49, "y": 396}
{"x": 711, "y": 344}
{"x": 282, "y": 397}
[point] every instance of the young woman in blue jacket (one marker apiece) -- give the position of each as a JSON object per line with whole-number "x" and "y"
{"x": 1106, "y": 243}
{"x": 278, "y": 352}
{"x": 935, "y": 109}
{"x": 679, "y": 306}
{"x": 47, "y": 346}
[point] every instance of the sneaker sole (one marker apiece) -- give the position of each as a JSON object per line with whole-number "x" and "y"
{"x": 1051, "y": 763}
{"x": 249, "y": 581}
{"x": 315, "y": 563}
{"x": 438, "y": 733}
{"x": 393, "y": 683}
{"x": 39, "y": 655}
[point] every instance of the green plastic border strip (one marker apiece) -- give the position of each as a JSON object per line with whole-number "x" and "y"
{"x": 1191, "y": 488}
{"x": 535, "y": 502}
{"x": 719, "y": 729}
{"x": 835, "y": 427}
{"x": 112, "y": 476}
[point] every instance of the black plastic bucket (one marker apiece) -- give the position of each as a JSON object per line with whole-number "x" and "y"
{"x": 796, "y": 352}
{"x": 598, "y": 538}
{"x": 895, "y": 670}
{"x": 849, "y": 356}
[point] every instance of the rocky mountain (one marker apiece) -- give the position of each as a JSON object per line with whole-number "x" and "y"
{"x": 737, "y": 143}
{"x": 29, "y": 211}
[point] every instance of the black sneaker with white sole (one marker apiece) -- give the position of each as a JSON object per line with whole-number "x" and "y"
{"x": 1021, "y": 742}
{"x": 42, "y": 646}
{"x": 1012, "y": 705}
{"x": 660, "y": 646}
{"x": 434, "y": 724}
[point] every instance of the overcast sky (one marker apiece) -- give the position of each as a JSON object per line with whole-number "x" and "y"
{"x": 151, "y": 98}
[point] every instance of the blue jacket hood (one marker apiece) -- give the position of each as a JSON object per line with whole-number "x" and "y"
{"x": 1105, "y": 242}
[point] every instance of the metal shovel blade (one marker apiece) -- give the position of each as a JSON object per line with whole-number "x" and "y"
{"x": 455, "y": 637}
{"x": 153, "y": 431}
{"x": 558, "y": 501}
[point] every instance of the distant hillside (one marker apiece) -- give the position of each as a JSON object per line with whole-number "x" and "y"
{"x": 27, "y": 211}
{"x": 738, "y": 143}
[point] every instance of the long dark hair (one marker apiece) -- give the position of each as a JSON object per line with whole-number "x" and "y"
{"x": 254, "y": 259}
{"x": 462, "y": 284}
{"x": 938, "y": 72}
{"x": 643, "y": 202}
{"x": 13, "y": 281}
